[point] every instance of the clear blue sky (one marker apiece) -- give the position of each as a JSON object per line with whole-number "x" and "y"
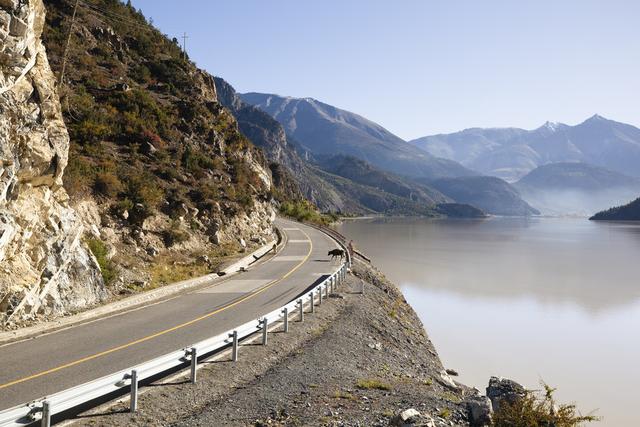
{"x": 425, "y": 66}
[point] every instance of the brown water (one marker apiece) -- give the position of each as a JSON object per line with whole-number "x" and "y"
{"x": 531, "y": 299}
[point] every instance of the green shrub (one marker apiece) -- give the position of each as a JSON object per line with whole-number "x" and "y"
{"x": 107, "y": 184}
{"x": 539, "y": 409}
{"x": 99, "y": 250}
{"x": 372, "y": 383}
{"x": 91, "y": 132}
{"x": 174, "y": 234}
{"x": 78, "y": 176}
{"x": 305, "y": 211}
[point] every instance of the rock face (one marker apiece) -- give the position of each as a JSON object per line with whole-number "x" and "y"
{"x": 44, "y": 267}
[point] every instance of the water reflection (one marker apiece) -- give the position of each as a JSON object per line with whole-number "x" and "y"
{"x": 554, "y": 261}
{"x": 531, "y": 299}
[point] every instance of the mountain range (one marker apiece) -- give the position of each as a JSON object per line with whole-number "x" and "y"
{"x": 510, "y": 153}
{"x": 346, "y": 145}
{"x": 326, "y": 130}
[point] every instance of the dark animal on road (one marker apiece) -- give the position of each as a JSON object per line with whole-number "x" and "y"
{"x": 335, "y": 253}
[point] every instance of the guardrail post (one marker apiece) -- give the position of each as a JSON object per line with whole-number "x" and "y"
{"x": 46, "y": 414}
{"x": 320, "y": 295}
{"x": 133, "y": 401}
{"x": 234, "y": 349}
{"x": 285, "y": 312}
{"x": 301, "y": 302}
{"x": 326, "y": 290}
{"x": 362, "y": 286}
{"x": 265, "y": 324}
{"x": 312, "y": 301}
{"x": 194, "y": 364}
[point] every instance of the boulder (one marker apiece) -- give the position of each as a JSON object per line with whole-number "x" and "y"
{"x": 504, "y": 390}
{"x": 412, "y": 418}
{"x": 480, "y": 410}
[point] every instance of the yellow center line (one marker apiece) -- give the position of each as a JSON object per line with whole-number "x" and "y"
{"x": 166, "y": 331}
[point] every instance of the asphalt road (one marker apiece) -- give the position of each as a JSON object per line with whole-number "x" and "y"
{"x": 53, "y": 362}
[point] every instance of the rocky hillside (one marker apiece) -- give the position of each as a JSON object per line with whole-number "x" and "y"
{"x": 164, "y": 184}
{"x": 492, "y": 195}
{"x": 45, "y": 266}
{"x": 326, "y": 130}
{"x": 628, "y": 212}
{"x": 511, "y": 153}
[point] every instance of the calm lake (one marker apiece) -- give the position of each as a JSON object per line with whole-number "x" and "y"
{"x": 530, "y": 299}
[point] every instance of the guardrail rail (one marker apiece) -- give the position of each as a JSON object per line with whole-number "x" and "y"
{"x": 44, "y": 408}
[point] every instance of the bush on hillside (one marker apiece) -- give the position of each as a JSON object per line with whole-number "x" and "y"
{"x": 305, "y": 211}
{"x": 539, "y": 409}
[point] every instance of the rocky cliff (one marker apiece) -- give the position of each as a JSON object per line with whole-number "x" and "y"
{"x": 45, "y": 268}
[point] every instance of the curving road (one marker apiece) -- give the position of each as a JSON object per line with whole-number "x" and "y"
{"x": 50, "y": 363}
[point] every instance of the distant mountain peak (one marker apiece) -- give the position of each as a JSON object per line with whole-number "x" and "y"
{"x": 596, "y": 118}
{"x": 552, "y": 126}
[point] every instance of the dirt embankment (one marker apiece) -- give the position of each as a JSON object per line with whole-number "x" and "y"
{"x": 359, "y": 360}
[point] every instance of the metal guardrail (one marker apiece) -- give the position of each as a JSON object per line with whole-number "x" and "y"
{"x": 43, "y": 409}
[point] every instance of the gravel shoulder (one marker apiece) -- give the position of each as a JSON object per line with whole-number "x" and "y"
{"x": 359, "y": 360}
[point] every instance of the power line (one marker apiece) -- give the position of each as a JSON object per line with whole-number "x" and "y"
{"x": 124, "y": 20}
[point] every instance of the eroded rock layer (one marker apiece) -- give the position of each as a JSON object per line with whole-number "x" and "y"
{"x": 44, "y": 266}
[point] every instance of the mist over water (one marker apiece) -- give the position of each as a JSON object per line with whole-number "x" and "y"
{"x": 553, "y": 299}
{"x": 578, "y": 203}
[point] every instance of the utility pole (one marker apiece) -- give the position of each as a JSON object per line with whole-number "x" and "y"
{"x": 66, "y": 47}
{"x": 184, "y": 45}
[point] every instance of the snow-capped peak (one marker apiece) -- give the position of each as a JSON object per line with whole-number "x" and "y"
{"x": 552, "y": 126}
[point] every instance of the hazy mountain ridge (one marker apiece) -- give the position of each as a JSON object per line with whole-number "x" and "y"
{"x": 327, "y": 130}
{"x": 303, "y": 118}
{"x": 576, "y": 188}
{"x": 491, "y": 194}
{"x": 364, "y": 173}
{"x": 575, "y": 175}
{"x": 510, "y": 153}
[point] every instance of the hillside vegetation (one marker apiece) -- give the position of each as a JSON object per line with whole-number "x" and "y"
{"x": 144, "y": 123}
{"x": 628, "y": 212}
{"x": 157, "y": 166}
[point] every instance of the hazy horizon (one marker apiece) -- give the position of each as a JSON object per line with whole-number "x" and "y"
{"x": 423, "y": 68}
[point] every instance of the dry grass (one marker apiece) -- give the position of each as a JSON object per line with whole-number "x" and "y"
{"x": 372, "y": 384}
{"x": 339, "y": 394}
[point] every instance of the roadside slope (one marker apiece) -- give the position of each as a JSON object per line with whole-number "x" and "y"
{"x": 358, "y": 360}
